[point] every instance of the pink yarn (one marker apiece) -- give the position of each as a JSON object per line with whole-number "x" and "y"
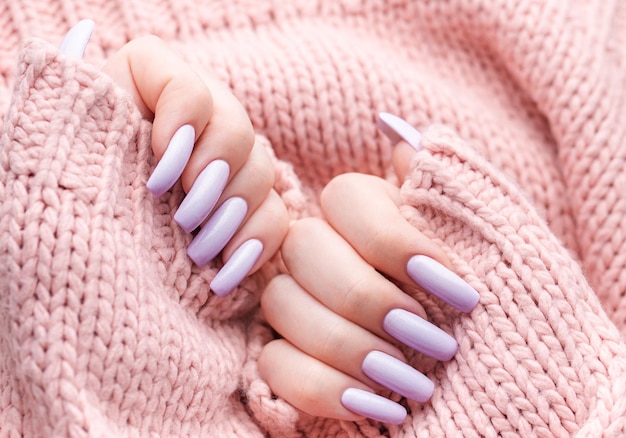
{"x": 107, "y": 328}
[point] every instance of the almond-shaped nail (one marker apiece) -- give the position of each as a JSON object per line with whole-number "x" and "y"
{"x": 237, "y": 267}
{"x": 75, "y": 41}
{"x": 417, "y": 333}
{"x": 373, "y": 406}
{"x": 398, "y": 376}
{"x": 397, "y": 129}
{"x": 173, "y": 161}
{"x": 438, "y": 280}
{"x": 217, "y": 232}
{"x": 204, "y": 193}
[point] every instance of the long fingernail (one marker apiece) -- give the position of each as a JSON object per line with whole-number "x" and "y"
{"x": 397, "y": 376}
{"x": 397, "y": 129}
{"x": 440, "y": 281}
{"x": 75, "y": 41}
{"x": 374, "y": 406}
{"x": 204, "y": 193}
{"x": 218, "y": 230}
{"x": 419, "y": 334}
{"x": 237, "y": 267}
{"x": 173, "y": 161}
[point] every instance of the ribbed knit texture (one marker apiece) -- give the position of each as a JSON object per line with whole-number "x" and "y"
{"x": 107, "y": 328}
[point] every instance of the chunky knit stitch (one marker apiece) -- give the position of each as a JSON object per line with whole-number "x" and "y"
{"x": 108, "y": 329}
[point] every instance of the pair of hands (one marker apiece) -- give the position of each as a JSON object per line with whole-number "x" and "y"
{"x": 339, "y": 313}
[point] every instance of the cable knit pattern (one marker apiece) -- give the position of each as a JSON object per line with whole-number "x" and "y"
{"x": 106, "y": 327}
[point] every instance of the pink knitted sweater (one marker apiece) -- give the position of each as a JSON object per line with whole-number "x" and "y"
{"x": 108, "y": 329}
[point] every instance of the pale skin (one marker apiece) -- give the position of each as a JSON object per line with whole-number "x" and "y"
{"x": 335, "y": 296}
{"x": 170, "y": 93}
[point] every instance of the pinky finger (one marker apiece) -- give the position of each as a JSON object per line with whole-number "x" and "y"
{"x": 320, "y": 390}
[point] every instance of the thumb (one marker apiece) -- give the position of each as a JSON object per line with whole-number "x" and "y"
{"x": 406, "y": 138}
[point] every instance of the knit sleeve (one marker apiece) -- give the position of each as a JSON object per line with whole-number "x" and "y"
{"x": 538, "y": 356}
{"x": 106, "y": 326}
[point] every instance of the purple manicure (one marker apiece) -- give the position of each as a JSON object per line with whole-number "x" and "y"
{"x": 216, "y": 233}
{"x": 237, "y": 267}
{"x": 204, "y": 193}
{"x": 440, "y": 281}
{"x": 397, "y": 129}
{"x": 419, "y": 334}
{"x": 397, "y": 376}
{"x": 173, "y": 161}
{"x": 374, "y": 406}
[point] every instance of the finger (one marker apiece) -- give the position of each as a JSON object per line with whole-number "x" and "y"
{"x": 402, "y": 157}
{"x": 328, "y": 268}
{"x": 182, "y": 104}
{"x": 237, "y": 204}
{"x": 363, "y": 209}
{"x": 252, "y": 184}
{"x": 321, "y": 333}
{"x": 253, "y": 245}
{"x": 406, "y": 138}
{"x": 320, "y": 390}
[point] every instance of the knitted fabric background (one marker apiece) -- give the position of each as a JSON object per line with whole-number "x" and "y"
{"x": 107, "y": 329}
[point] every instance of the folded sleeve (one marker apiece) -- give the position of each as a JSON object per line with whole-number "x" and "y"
{"x": 538, "y": 356}
{"x": 106, "y": 326}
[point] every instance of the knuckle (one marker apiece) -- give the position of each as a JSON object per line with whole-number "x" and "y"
{"x": 270, "y": 297}
{"x": 270, "y": 350}
{"x": 356, "y": 295}
{"x": 298, "y": 234}
{"x": 311, "y": 390}
{"x": 336, "y": 187}
{"x": 260, "y": 170}
{"x": 335, "y": 340}
{"x": 144, "y": 41}
{"x": 372, "y": 245}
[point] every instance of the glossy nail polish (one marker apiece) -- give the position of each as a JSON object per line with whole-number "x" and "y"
{"x": 397, "y": 376}
{"x": 372, "y": 406}
{"x": 173, "y": 161}
{"x": 218, "y": 231}
{"x": 397, "y": 129}
{"x": 237, "y": 267}
{"x": 419, "y": 334}
{"x": 438, "y": 280}
{"x": 204, "y": 193}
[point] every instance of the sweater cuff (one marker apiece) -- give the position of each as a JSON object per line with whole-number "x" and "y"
{"x": 538, "y": 353}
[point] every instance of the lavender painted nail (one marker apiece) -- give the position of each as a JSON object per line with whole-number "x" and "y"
{"x": 173, "y": 161}
{"x": 419, "y": 334}
{"x": 397, "y": 129}
{"x": 397, "y": 376}
{"x": 204, "y": 193}
{"x": 373, "y": 406}
{"x": 237, "y": 267}
{"x": 216, "y": 233}
{"x": 75, "y": 41}
{"x": 440, "y": 281}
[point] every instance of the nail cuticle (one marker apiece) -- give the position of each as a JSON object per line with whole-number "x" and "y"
{"x": 237, "y": 267}
{"x": 373, "y": 406}
{"x": 438, "y": 280}
{"x": 203, "y": 196}
{"x": 419, "y": 334}
{"x": 218, "y": 230}
{"x": 171, "y": 165}
{"x": 397, "y": 376}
